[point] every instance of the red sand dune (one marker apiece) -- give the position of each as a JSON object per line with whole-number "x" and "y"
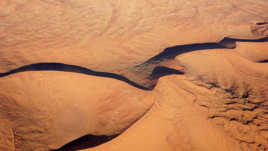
{"x": 142, "y": 75}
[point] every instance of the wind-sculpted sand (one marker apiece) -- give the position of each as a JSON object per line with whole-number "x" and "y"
{"x": 142, "y": 75}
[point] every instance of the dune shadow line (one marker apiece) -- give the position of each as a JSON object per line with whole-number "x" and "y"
{"x": 70, "y": 68}
{"x": 264, "y": 61}
{"x": 84, "y": 142}
{"x": 173, "y": 52}
{"x": 167, "y": 54}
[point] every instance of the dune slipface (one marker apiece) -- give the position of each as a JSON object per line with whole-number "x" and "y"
{"x": 169, "y": 75}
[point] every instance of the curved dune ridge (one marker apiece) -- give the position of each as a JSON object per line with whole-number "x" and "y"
{"x": 140, "y": 75}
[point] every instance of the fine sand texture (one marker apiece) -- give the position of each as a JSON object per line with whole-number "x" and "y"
{"x": 140, "y": 75}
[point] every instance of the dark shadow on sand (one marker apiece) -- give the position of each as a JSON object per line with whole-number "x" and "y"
{"x": 85, "y": 142}
{"x": 70, "y": 68}
{"x": 156, "y": 72}
{"x": 172, "y": 52}
{"x": 263, "y": 61}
